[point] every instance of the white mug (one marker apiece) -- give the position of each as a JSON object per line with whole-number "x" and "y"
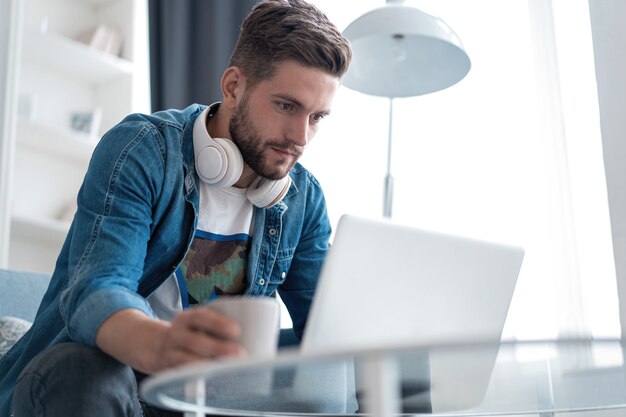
{"x": 259, "y": 321}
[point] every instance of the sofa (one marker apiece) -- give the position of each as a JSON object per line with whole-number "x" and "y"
{"x": 20, "y": 295}
{"x": 21, "y": 292}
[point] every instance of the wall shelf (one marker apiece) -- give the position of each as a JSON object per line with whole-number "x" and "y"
{"x": 54, "y": 140}
{"x": 39, "y": 229}
{"x": 71, "y": 57}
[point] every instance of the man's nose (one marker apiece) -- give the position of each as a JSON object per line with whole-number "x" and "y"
{"x": 299, "y": 131}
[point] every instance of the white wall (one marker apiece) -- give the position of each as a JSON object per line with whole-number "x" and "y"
{"x": 609, "y": 40}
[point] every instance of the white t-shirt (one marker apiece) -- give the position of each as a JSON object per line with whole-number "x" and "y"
{"x": 217, "y": 259}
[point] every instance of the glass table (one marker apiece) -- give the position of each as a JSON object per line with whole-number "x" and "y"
{"x": 512, "y": 378}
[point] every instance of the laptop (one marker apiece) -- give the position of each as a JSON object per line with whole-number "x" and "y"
{"x": 385, "y": 284}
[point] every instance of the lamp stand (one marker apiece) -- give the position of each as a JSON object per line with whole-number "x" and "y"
{"x": 388, "y": 188}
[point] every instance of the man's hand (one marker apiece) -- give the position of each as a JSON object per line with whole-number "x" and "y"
{"x": 199, "y": 333}
{"x": 151, "y": 345}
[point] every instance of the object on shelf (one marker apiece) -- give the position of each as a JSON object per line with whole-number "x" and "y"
{"x": 27, "y": 106}
{"x": 67, "y": 214}
{"x": 43, "y": 25}
{"x": 87, "y": 122}
{"x": 104, "y": 38}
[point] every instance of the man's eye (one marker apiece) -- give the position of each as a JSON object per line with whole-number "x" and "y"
{"x": 285, "y": 106}
{"x": 317, "y": 117}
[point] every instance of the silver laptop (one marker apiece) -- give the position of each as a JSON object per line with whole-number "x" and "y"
{"x": 388, "y": 285}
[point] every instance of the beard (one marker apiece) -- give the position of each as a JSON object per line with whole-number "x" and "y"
{"x": 252, "y": 147}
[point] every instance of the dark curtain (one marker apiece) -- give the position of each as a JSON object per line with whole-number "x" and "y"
{"x": 190, "y": 45}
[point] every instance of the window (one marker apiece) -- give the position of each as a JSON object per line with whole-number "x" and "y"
{"x": 512, "y": 153}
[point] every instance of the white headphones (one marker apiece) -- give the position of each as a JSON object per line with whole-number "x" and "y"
{"x": 219, "y": 163}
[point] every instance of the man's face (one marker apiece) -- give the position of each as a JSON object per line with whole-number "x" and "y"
{"x": 276, "y": 119}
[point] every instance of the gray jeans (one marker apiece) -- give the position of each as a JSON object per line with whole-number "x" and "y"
{"x": 70, "y": 379}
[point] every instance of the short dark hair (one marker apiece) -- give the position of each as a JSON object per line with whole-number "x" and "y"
{"x": 280, "y": 30}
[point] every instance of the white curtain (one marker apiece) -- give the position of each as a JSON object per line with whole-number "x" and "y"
{"x": 512, "y": 153}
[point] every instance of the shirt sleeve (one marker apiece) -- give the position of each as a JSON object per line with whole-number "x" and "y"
{"x": 111, "y": 229}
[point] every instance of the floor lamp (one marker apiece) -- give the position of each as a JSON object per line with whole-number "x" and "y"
{"x": 400, "y": 51}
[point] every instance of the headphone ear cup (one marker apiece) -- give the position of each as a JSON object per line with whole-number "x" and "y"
{"x": 219, "y": 163}
{"x": 234, "y": 163}
{"x": 266, "y": 193}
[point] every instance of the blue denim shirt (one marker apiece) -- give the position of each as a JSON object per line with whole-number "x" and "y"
{"x": 137, "y": 213}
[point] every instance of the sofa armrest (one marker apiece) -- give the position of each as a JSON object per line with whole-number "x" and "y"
{"x": 21, "y": 293}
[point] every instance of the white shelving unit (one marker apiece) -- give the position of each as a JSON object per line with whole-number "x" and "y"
{"x": 62, "y": 77}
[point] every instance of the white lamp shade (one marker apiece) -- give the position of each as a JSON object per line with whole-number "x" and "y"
{"x": 400, "y": 51}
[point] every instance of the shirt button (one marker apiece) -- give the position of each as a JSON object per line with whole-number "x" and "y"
{"x": 188, "y": 182}
{"x": 283, "y": 275}
{"x": 272, "y": 232}
{"x": 262, "y": 281}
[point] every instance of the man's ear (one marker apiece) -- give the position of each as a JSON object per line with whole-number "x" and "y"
{"x": 233, "y": 86}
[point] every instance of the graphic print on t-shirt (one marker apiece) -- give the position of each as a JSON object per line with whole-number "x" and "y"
{"x": 215, "y": 265}
{"x": 216, "y": 262}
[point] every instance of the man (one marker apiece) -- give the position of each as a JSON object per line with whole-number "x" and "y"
{"x": 180, "y": 207}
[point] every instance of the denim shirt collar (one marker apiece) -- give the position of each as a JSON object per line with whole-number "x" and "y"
{"x": 189, "y": 161}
